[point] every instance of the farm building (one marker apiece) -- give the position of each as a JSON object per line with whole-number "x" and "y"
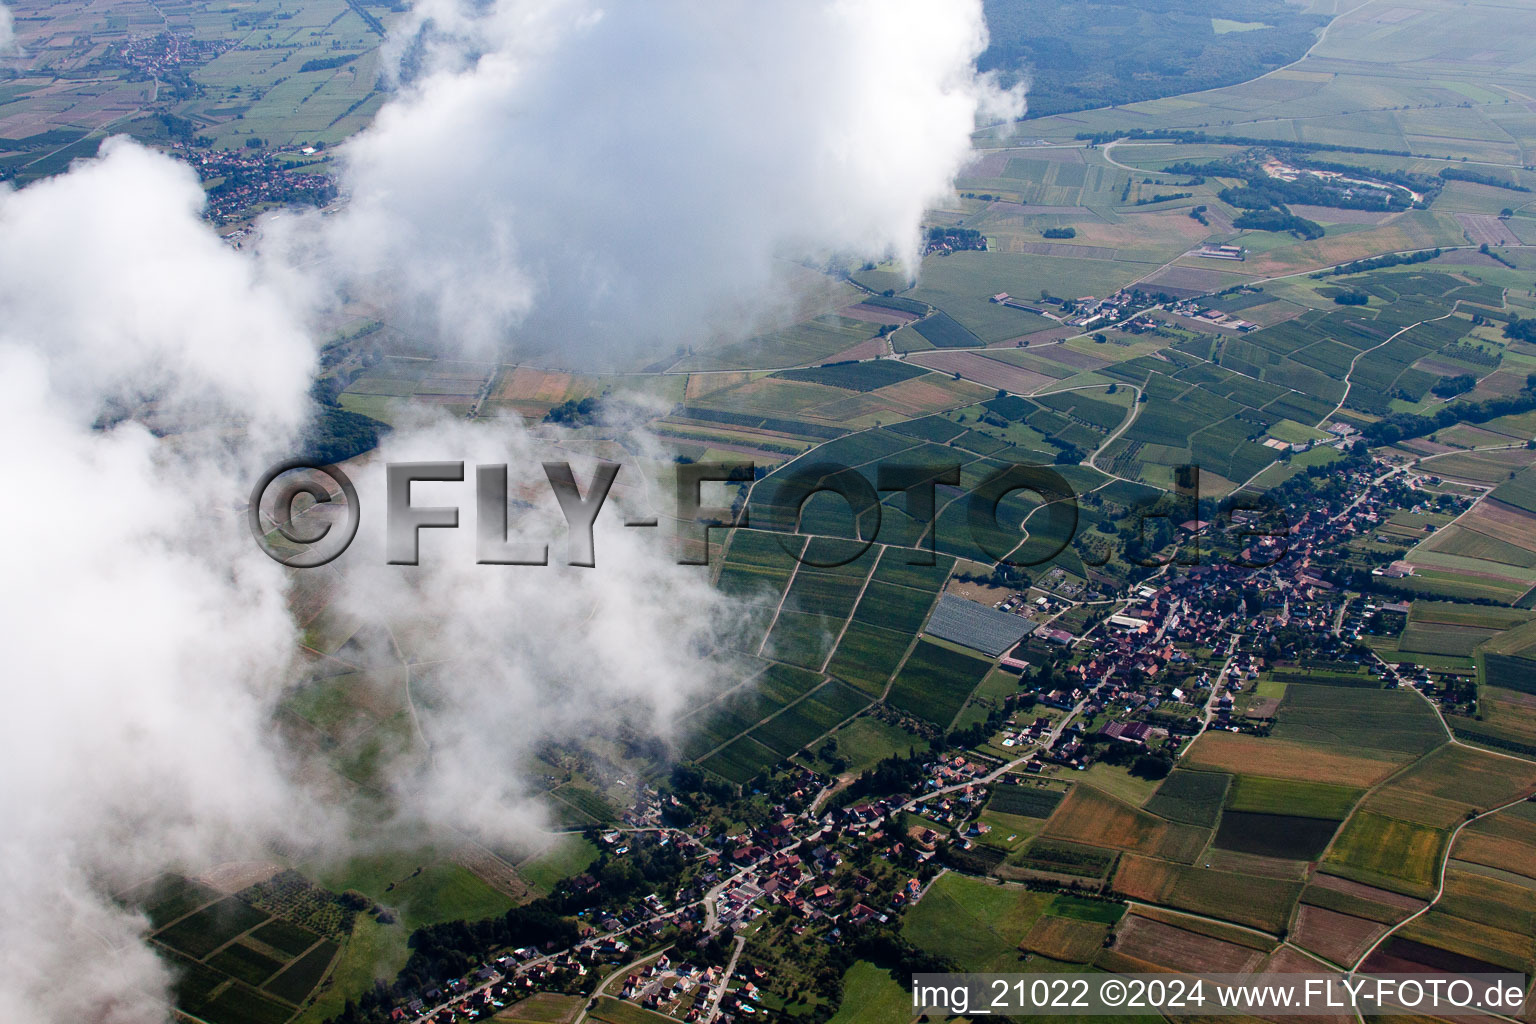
{"x": 974, "y": 625}
{"x": 1127, "y": 732}
{"x": 1214, "y": 251}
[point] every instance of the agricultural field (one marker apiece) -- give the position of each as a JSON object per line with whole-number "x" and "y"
{"x": 1092, "y": 818}
{"x": 977, "y": 923}
{"x": 1442, "y": 789}
{"x": 1172, "y": 947}
{"x": 1397, "y": 855}
{"x": 1286, "y": 836}
{"x": 253, "y": 956}
{"x": 1251, "y": 900}
{"x": 1482, "y": 917}
{"x": 1505, "y": 841}
{"x": 871, "y": 996}
{"x": 1341, "y": 938}
{"x": 1387, "y": 724}
{"x": 1258, "y": 795}
{"x": 935, "y": 681}
{"x": 1193, "y": 798}
{"x": 866, "y": 740}
{"x": 1027, "y": 801}
{"x": 1279, "y": 759}
{"x": 1065, "y": 939}
{"x": 286, "y": 72}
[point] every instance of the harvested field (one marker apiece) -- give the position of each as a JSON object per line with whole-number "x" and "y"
{"x": 1066, "y": 939}
{"x": 1251, "y": 864}
{"x": 1291, "y": 961}
{"x": 871, "y": 349}
{"x": 701, "y": 384}
{"x": 1281, "y": 759}
{"x": 990, "y": 373}
{"x": 1359, "y": 890}
{"x": 1481, "y": 916}
{"x": 1234, "y": 934}
{"x": 1485, "y": 229}
{"x": 1330, "y": 215}
{"x": 1502, "y": 522}
{"x": 1263, "y": 903}
{"x": 1406, "y": 956}
{"x": 1506, "y": 841}
{"x": 525, "y": 384}
{"x": 1142, "y": 878}
{"x": 1182, "y": 950}
{"x": 1094, "y": 818}
{"x": 1352, "y": 906}
{"x": 1461, "y": 778}
{"x": 922, "y": 395}
{"x": 1339, "y": 937}
{"x": 1116, "y": 962}
{"x": 1396, "y": 854}
{"x": 877, "y": 314}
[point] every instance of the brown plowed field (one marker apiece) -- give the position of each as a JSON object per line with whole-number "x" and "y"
{"x": 1339, "y": 937}
{"x": 1185, "y": 951}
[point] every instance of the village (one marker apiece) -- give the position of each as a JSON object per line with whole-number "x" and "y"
{"x": 1176, "y": 657}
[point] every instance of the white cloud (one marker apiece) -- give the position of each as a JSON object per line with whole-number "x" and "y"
{"x": 146, "y": 640}
{"x": 505, "y": 658}
{"x": 576, "y": 173}
{"x": 7, "y": 29}
{"x": 557, "y": 172}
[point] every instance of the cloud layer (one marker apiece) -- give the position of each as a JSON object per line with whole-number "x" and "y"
{"x": 622, "y": 175}
{"x": 146, "y": 643}
{"x": 553, "y": 173}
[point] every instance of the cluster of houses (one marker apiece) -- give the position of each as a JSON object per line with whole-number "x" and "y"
{"x": 249, "y": 178}
{"x": 681, "y": 990}
{"x": 1090, "y": 311}
{"x": 168, "y": 55}
{"x": 1085, "y": 311}
{"x": 1015, "y": 736}
{"x": 1212, "y": 317}
{"x": 1133, "y": 685}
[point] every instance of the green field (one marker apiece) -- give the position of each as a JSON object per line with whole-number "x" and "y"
{"x": 935, "y": 681}
{"x": 872, "y": 996}
{"x": 1194, "y": 798}
{"x": 1259, "y": 795}
{"x": 1026, "y": 801}
{"x": 421, "y": 885}
{"x": 567, "y": 856}
{"x": 978, "y": 924}
{"x": 1389, "y": 723}
{"x": 1393, "y": 854}
{"x": 372, "y": 950}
